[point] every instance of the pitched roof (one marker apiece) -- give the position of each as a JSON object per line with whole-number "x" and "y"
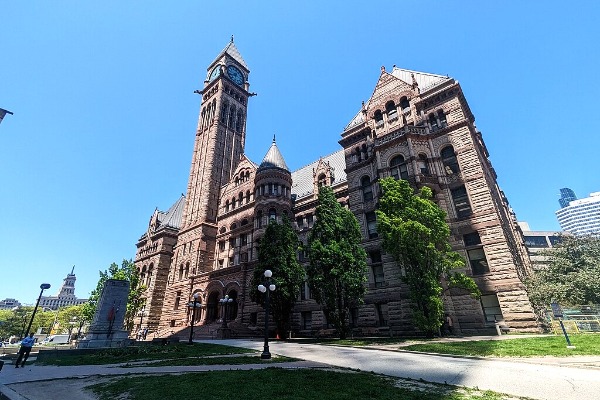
{"x": 425, "y": 80}
{"x": 233, "y": 52}
{"x": 303, "y": 179}
{"x": 172, "y": 218}
{"x": 273, "y": 159}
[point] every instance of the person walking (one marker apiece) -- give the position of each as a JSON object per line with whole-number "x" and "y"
{"x": 26, "y": 345}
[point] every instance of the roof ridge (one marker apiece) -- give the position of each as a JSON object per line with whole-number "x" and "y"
{"x": 320, "y": 157}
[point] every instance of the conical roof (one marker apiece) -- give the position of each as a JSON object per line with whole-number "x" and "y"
{"x": 273, "y": 159}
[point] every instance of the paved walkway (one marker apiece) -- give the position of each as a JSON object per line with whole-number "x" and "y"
{"x": 546, "y": 378}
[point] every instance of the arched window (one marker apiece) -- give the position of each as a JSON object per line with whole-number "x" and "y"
{"x": 239, "y": 121}
{"x": 378, "y": 116}
{"x": 433, "y": 122}
{"x": 240, "y": 198}
{"x": 233, "y": 203}
{"x": 272, "y": 214}
{"x": 187, "y": 270}
{"x": 231, "y": 117}
{"x": 233, "y": 226}
{"x": 442, "y": 118}
{"x": 449, "y": 160}
{"x": 226, "y": 205}
{"x": 149, "y": 278}
{"x": 398, "y": 168}
{"x": 358, "y": 154}
{"x": 390, "y": 108}
{"x": 224, "y": 111}
{"x": 322, "y": 180}
{"x": 423, "y": 165}
{"x": 247, "y": 196}
{"x": 223, "y": 230}
{"x": 181, "y": 272}
{"x": 367, "y": 188}
{"x": 404, "y": 104}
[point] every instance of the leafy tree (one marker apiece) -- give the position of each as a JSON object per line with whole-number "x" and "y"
{"x": 571, "y": 274}
{"x": 69, "y": 318}
{"x": 338, "y": 270}
{"x": 135, "y": 301}
{"x": 415, "y": 232}
{"x": 277, "y": 251}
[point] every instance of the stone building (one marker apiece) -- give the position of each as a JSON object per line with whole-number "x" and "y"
{"x": 416, "y": 126}
{"x": 65, "y": 296}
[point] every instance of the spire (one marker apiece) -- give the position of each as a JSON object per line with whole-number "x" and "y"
{"x": 72, "y": 269}
{"x": 232, "y": 52}
{"x": 273, "y": 159}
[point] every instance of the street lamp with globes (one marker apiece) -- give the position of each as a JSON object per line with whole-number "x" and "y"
{"x": 193, "y": 304}
{"x": 225, "y": 302}
{"x": 267, "y": 288}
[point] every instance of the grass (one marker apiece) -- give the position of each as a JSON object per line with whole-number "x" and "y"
{"x": 586, "y": 344}
{"x": 139, "y": 353}
{"x": 235, "y": 360}
{"x": 276, "y": 383}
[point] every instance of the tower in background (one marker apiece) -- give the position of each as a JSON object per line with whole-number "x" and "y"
{"x": 566, "y": 196}
{"x": 581, "y": 216}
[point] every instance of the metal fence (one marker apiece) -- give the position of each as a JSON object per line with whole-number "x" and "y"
{"x": 577, "y": 320}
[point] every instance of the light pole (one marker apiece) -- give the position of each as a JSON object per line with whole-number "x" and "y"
{"x": 193, "y": 304}
{"x": 225, "y": 301}
{"x": 43, "y": 287}
{"x": 266, "y": 289}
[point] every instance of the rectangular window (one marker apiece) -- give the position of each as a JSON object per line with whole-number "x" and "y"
{"x": 377, "y": 269}
{"x": 172, "y": 323}
{"x": 491, "y": 308}
{"x": 300, "y": 222}
{"x": 535, "y": 241}
{"x": 371, "y": 224}
{"x": 461, "y": 202}
{"x": 177, "y": 300}
{"x": 232, "y": 242}
{"x": 479, "y": 264}
{"x": 382, "y": 314}
{"x": 472, "y": 239}
{"x": 244, "y": 239}
{"x": 244, "y": 257}
{"x": 221, "y": 245}
{"x": 306, "y": 320}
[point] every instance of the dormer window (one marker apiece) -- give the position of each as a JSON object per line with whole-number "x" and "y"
{"x": 390, "y": 108}
{"x": 404, "y": 105}
{"x": 378, "y": 116}
{"x": 322, "y": 181}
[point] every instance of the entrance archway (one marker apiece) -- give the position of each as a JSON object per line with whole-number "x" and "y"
{"x": 212, "y": 307}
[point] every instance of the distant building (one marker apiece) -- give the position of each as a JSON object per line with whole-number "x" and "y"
{"x": 566, "y": 196}
{"x": 537, "y": 242}
{"x": 8, "y": 304}
{"x": 581, "y": 217}
{"x": 66, "y": 295}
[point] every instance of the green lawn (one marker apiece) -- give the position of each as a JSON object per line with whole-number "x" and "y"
{"x": 586, "y": 344}
{"x": 276, "y": 383}
{"x": 140, "y": 353}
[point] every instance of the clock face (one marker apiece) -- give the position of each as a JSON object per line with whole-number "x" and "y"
{"x": 235, "y": 75}
{"x": 214, "y": 73}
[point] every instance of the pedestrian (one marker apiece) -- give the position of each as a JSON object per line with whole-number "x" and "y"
{"x": 26, "y": 345}
{"x": 449, "y": 325}
{"x": 145, "y": 333}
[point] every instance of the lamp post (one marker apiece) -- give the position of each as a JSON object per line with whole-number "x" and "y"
{"x": 225, "y": 301}
{"x": 266, "y": 289}
{"x": 193, "y": 304}
{"x": 43, "y": 287}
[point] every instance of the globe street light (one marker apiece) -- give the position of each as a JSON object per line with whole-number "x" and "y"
{"x": 43, "y": 287}
{"x": 266, "y": 289}
{"x": 225, "y": 301}
{"x": 193, "y": 304}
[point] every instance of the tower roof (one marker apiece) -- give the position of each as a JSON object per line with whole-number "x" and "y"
{"x": 273, "y": 159}
{"x": 232, "y": 52}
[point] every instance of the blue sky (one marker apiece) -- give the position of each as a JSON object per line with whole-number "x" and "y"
{"x": 105, "y": 115}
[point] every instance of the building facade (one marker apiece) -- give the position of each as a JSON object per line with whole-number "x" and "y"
{"x": 9, "y": 304}
{"x": 65, "y": 296}
{"x": 580, "y": 216}
{"x": 416, "y": 126}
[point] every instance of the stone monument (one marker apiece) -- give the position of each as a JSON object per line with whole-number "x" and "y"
{"x": 106, "y": 329}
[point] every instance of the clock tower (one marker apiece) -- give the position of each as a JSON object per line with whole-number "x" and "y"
{"x": 219, "y": 145}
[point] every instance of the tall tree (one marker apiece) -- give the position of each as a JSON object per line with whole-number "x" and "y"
{"x": 338, "y": 269}
{"x": 415, "y": 232}
{"x": 278, "y": 252}
{"x": 571, "y": 274}
{"x": 135, "y": 301}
